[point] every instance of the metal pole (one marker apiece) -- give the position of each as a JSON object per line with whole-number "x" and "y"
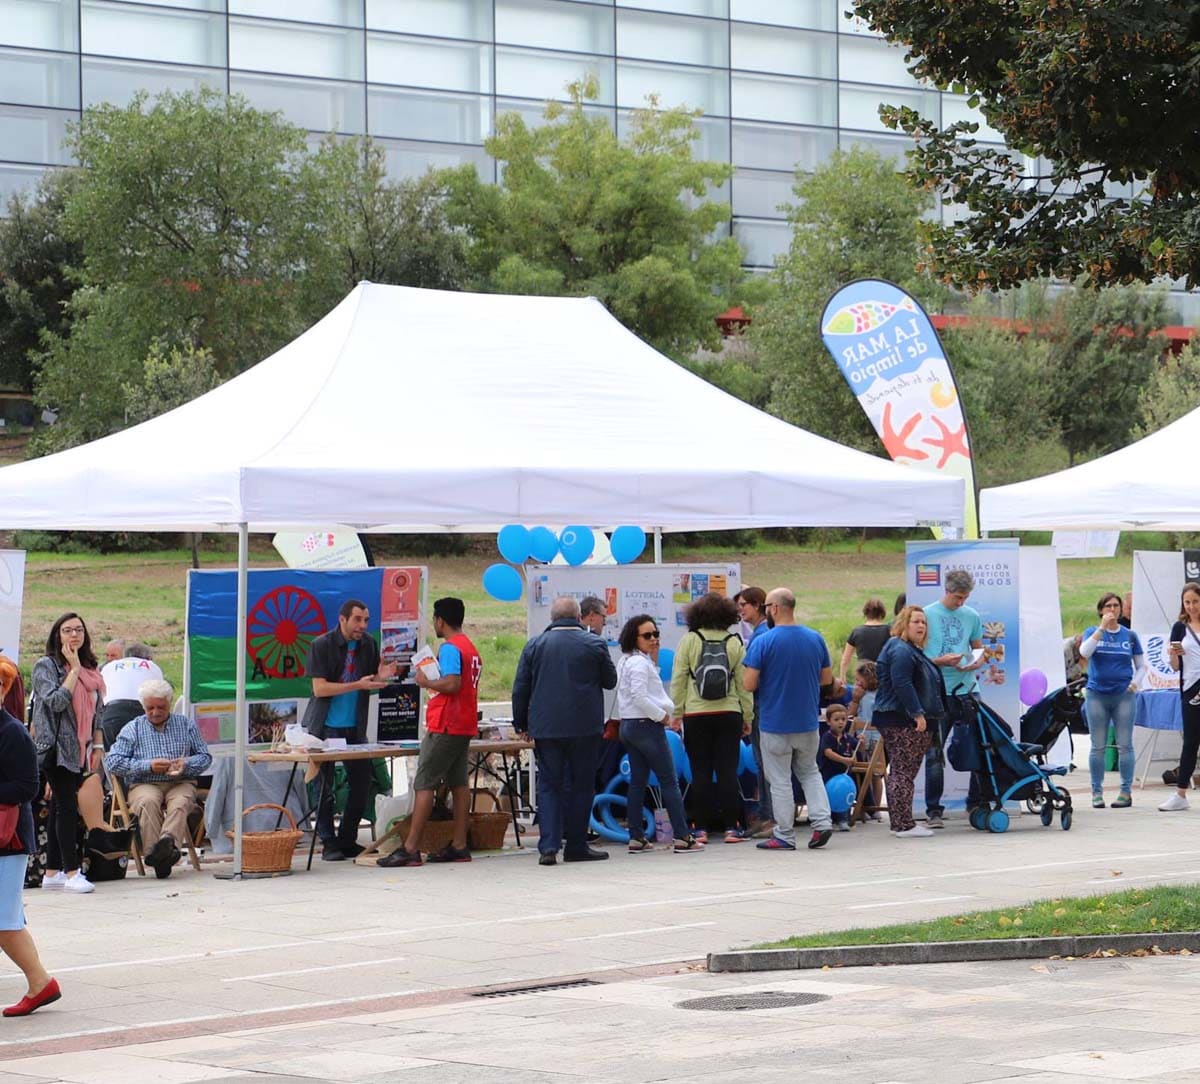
{"x": 239, "y": 711}
{"x": 658, "y": 545}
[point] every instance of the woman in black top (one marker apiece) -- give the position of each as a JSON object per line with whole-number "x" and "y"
{"x": 18, "y": 786}
{"x": 866, "y": 640}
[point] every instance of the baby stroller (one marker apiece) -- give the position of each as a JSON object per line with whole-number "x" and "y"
{"x": 1043, "y": 723}
{"x": 1008, "y": 770}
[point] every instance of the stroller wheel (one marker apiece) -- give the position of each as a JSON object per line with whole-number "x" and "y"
{"x": 1035, "y": 805}
{"x": 1047, "y": 814}
{"x": 1065, "y": 820}
{"x": 978, "y": 818}
{"x": 997, "y": 821}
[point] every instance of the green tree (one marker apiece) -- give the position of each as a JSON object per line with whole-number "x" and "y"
{"x": 170, "y": 378}
{"x": 1109, "y": 93}
{"x": 581, "y": 213}
{"x": 36, "y": 281}
{"x": 1172, "y": 391}
{"x": 854, "y": 217}
{"x": 1103, "y": 347}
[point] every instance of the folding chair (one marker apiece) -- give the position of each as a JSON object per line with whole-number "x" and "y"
{"x": 868, "y": 770}
{"x": 121, "y": 809}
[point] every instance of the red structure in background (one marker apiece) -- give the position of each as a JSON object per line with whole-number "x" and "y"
{"x": 735, "y": 320}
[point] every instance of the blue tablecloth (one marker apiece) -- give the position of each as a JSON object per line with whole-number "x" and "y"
{"x": 1158, "y": 709}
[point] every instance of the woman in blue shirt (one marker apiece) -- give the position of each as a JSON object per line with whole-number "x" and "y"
{"x": 1115, "y": 667}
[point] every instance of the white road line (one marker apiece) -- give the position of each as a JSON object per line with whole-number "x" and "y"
{"x": 905, "y": 903}
{"x": 1142, "y": 877}
{"x": 310, "y": 970}
{"x": 633, "y": 933}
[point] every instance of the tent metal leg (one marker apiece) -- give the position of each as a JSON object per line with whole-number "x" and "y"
{"x": 239, "y": 715}
{"x": 658, "y": 545}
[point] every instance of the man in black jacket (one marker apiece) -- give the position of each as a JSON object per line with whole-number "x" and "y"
{"x": 345, "y": 669}
{"x": 558, "y": 701}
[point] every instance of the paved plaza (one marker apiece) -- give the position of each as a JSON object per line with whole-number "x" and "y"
{"x": 349, "y": 973}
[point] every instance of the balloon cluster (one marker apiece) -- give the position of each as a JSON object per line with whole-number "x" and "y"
{"x": 575, "y": 544}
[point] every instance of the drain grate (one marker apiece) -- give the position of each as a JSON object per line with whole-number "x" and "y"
{"x": 751, "y": 1000}
{"x": 537, "y": 988}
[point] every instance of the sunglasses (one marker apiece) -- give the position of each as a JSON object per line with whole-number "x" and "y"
{"x": 649, "y": 635}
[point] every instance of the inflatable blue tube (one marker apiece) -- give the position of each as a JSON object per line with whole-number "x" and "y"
{"x": 606, "y": 826}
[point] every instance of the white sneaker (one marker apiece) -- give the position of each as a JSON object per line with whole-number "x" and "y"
{"x": 1173, "y": 803}
{"x": 842, "y": 826}
{"x": 914, "y": 833}
{"x": 54, "y": 880}
{"x": 77, "y": 882}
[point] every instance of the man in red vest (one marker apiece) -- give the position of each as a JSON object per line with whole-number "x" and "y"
{"x": 451, "y": 721}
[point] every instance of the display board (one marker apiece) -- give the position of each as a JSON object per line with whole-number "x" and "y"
{"x": 1158, "y": 579}
{"x": 663, "y": 591}
{"x": 12, "y": 591}
{"x": 286, "y": 610}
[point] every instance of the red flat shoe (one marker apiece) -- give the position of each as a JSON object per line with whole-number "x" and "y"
{"x": 50, "y": 992}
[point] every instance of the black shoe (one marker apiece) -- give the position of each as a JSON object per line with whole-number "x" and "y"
{"x": 819, "y": 839}
{"x": 330, "y": 853}
{"x": 163, "y": 855}
{"x": 589, "y": 855}
{"x": 450, "y": 853}
{"x": 400, "y": 857}
{"x": 350, "y": 850}
{"x": 548, "y": 859}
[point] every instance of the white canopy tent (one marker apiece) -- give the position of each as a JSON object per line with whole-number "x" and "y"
{"x": 1146, "y": 486}
{"x": 410, "y": 410}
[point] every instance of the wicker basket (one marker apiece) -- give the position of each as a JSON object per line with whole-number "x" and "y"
{"x": 486, "y": 831}
{"x": 269, "y": 852}
{"x": 434, "y": 836}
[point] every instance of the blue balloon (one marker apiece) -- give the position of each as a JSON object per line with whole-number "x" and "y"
{"x": 543, "y": 544}
{"x": 747, "y": 765}
{"x": 627, "y": 544}
{"x": 841, "y": 792}
{"x": 666, "y": 661}
{"x": 577, "y": 544}
{"x": 503, "y": 582}
{"x": 513, "y": 543}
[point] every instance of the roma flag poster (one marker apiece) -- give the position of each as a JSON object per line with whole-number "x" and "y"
{"x": 891, "y": 356}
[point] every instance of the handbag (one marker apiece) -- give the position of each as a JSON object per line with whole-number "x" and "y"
{"x": 10, "y": 818}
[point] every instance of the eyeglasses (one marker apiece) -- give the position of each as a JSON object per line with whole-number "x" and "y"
{"x": 650, "y": 635}
{"x": 71, "y": 630}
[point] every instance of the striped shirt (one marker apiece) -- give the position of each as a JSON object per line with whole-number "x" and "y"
{"x": 140, "y": 742}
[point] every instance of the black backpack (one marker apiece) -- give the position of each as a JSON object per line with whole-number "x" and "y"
{"x": 712, "y": 674}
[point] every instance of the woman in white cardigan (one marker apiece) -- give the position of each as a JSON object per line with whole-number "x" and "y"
{"x": 645, "y": 711}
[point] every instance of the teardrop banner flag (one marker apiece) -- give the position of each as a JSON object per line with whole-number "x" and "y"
{"x": 891, "y": 356}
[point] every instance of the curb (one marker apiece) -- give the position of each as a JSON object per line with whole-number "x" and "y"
{"x": 946, "y": 952}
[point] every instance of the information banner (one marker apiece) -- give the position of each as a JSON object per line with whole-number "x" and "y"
{"x": 12, "y": 591}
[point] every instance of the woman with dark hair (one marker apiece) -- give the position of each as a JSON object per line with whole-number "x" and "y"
{"x": 908, "y": 704}
{"x": 708, "y": 693}
{"x": 645, "y": 712}
{"x": 18, "y": 787}
{"x": 1184, "y": 655}
{"x": 68, "y": 692}
{"x": 1116, "y": 664}
{"x": 866, "y": 640}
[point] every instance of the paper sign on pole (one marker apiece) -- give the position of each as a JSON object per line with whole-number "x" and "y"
{"x": 1070, "y": 545}
{"x": 321, "y": 548}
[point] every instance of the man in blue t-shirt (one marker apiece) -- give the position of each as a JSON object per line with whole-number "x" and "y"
{"x": 955, "y": 630}
{"x": 788, "y": 667}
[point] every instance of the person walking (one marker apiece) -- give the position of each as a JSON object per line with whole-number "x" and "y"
{"x": 1116, "y": 664}
{"x": 908, "y": 704}
{"x": 1184, "y": 656}
{"x": 717, "y": 709}
{"x": 788, "y": 667}
{"x": 18, "y": 787}
{"x": 645, "y": 712}
{"x": 558, "y": 701}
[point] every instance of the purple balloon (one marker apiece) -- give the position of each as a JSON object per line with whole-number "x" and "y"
{"x": 1033, "y": 687}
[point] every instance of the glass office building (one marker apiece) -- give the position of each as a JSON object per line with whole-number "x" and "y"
{"x": 781, "y": 82}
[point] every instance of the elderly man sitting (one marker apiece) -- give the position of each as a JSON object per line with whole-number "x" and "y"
{"x": 158, "y": 756}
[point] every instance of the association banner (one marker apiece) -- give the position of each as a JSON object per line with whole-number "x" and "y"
{"x": 286, "y": 610}
{"x": 891, "y": 356}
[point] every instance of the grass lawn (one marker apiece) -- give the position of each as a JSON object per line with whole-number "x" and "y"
{"x": 1139, "y": 910}
{"x": 141, "y": 596}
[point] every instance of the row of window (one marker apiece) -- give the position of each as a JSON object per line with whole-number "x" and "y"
{"x": 478, "y": 19}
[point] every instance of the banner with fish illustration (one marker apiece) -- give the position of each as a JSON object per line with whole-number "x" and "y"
{"x": 893, "y": 360}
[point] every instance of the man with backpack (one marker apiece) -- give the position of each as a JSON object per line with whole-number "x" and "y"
{"x": 788, "y": 667}
{"x": 717, "y": 710}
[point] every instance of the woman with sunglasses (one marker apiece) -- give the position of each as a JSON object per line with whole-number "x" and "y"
{"x": 67, "y": 695}
{"x": 645, "y": 711}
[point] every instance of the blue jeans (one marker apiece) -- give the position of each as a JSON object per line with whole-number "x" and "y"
{"x": 646, "y": 743}
{"x": 1102, "y": 709}
{"x": 566, "y": 785}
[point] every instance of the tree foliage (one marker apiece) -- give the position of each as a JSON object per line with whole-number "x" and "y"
{"x": 1172, "y": 391}
{"x": 581, "y": 212}
{"x": 169, "y": 378}
{"x": 36, "y": 279}
{"x": 1109, "y": 93}
{"x": 854, "y": 217}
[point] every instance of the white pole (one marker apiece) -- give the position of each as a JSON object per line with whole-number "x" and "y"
{"x": 239, "y": 710}
{"x": 658, "y": 545}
